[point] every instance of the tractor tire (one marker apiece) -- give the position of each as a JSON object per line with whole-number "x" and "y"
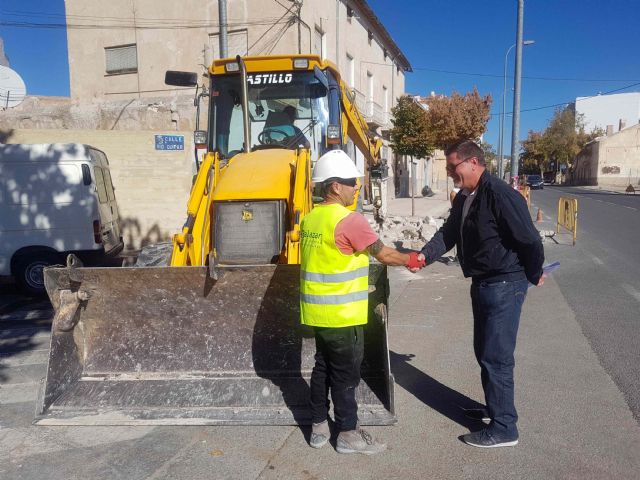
{"x": 156, "y": 255}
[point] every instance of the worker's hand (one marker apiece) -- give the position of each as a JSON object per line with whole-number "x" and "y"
{"x": 541, "y": 281}
{"x": 416, "y": 262}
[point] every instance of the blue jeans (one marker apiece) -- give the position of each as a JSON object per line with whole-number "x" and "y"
{"x": 496, "y": 316}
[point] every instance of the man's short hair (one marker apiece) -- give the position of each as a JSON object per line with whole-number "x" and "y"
{"x": 466, "y": 149}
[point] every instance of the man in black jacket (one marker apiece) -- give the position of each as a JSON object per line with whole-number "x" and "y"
{"x": 500, "y": 249}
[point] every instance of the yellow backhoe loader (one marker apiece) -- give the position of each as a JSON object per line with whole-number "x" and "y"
{"x": 213, "y": 336}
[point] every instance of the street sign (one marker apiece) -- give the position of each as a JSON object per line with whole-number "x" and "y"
{"x": 169, "y": 142}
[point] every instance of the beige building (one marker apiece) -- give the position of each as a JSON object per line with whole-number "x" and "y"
{"x": 610, "y": 161}
{"x": 118, "y": 54}
{"x": 121, "y": 49}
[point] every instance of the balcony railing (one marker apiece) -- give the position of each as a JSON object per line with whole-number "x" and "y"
{"x": 372, "y": 111}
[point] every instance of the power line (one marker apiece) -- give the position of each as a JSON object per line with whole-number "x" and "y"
{"x": 492, "y": 75}
{"x": 137, "y": 25}
{"x": 572, "y": 101}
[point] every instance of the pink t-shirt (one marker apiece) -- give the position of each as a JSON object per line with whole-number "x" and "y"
{"x": 354, "y": 234}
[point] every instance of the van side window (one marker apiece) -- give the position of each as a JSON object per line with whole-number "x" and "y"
{"x": 86, "y": 174}
{"x": 109, "y": 185}
{"x": 102, "y": 191}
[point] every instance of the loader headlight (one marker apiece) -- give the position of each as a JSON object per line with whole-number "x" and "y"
{"x": 333, "y": 134}
{"x": 301, "y": 63}
{"x": 200, "y": 138}
{"x": 232, "y": 67}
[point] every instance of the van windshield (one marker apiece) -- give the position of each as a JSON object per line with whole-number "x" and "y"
{"x": 286, "y": 110}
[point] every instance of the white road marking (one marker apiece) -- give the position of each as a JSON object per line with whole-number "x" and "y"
{"x": 631, "y": 291}
{"x": 596, "y": 260}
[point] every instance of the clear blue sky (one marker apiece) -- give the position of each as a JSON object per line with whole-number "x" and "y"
{"x": 575, "y": 39}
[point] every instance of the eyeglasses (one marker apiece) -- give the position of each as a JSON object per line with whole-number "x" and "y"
{"x": 349, "y": 182}
{"x": 453, "y": 168}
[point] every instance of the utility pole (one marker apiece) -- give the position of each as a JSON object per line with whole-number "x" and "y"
{"x": 222, "y": 20}
{"x": 516, "y": 97}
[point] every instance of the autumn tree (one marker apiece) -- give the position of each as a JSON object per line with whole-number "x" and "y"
{"x": 489, "y": 154}
{"x": 559, "y": 143}
{"x": 454, "y": 118}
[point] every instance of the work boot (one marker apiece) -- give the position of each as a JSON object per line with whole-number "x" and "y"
{"x": 358, "y": 441}
{"x": 319, "y": 434}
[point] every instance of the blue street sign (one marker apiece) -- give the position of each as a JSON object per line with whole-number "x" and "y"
{"x": 169, "y": 142}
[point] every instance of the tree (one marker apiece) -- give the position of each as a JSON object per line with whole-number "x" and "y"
{"x": 454, "y": 118}
{"x": 410, "y": 135}
{"x": 559, "y": 143}
{"x": 534, "y": 155}
{"x": 489, "y": 155}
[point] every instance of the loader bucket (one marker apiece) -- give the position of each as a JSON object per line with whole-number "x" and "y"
{"x": 172, "y": 346}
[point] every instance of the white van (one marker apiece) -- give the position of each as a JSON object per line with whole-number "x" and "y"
{"x": 55, "y": 199}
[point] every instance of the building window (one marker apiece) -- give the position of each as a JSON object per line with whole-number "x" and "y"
{"x": 384, "y": 53}
{"x": 351, "y": 71}
{"x": 121, "y": 59}
{"x": 349, "y": 14}
{"x": 370, "y": 36}
{"x": 319, "y": 42}
{"x": 237, "y": 44}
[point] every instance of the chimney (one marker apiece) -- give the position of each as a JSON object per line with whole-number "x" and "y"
{"x": 609, "y": 130}
{"x": 622, "y": 123}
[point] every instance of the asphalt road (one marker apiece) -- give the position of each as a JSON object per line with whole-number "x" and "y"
{"x": 600, "y": 277}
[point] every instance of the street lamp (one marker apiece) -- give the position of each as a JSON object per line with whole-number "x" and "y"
{"x": 502, "y": 113}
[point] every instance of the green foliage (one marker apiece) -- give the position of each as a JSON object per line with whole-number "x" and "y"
{"x": 418, "y": 130}
{"x": 559, "y": 143}
{"x": 409, "y": 134}
{"x": 489, "y": 155}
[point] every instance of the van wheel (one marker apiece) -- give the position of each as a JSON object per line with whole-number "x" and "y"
{"x": 29, "y": 271}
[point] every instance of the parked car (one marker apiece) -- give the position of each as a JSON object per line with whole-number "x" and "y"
{"x": 535, "y": 182}
{"x": 55, "y": 199}
{"x": 549, "y": 178}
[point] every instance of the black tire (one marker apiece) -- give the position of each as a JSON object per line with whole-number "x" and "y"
{"x": 157, "y": 255}
{"x": 28, "y": 271}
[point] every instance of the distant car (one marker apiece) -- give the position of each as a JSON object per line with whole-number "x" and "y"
{"x": 535, "y": 182}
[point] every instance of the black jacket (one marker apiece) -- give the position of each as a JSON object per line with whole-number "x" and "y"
{"x": 499, "y": 238}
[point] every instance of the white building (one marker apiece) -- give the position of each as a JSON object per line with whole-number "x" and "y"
{"x": 620, "y": 109}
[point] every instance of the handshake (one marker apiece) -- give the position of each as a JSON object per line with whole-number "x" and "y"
{"x": 416, "y": 262}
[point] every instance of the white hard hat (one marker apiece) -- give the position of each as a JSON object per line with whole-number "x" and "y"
{"x": 334, "y": 164}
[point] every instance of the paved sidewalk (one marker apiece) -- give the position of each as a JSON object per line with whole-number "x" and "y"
{"x": 574, "y": 422}
{"x": 435, "y": 206}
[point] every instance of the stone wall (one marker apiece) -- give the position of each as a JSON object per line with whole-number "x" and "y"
{"x": 610, "y": 161}
{"x": 176, "y": 113}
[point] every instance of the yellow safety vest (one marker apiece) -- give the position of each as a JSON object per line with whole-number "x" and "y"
{"x": 334, "y": 287}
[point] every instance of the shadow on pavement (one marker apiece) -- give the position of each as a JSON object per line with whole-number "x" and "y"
{"x": 432, "y": 393}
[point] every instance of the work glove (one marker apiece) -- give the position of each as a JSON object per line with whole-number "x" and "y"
{"x": 416, "y": 261}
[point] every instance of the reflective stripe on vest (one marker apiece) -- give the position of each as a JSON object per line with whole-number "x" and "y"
{"x": 334, "y": 287}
